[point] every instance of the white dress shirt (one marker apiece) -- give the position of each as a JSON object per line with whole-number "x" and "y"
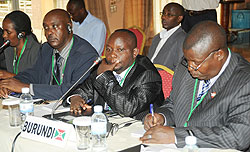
{"x": 199, "y": 5}
{"x": 164, "y": 35}
{"x": 213, "y": 80}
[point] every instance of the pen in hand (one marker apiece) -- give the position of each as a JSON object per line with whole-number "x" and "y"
{"x": 152, "y": 113}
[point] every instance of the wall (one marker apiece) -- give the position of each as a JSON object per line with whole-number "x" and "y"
{"x": 39, "y": 9}
{"x": 115, "y": 19}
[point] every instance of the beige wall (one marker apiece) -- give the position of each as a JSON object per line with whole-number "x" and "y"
{"x": 115, "y": 19}
{"x": 39, "y": 10}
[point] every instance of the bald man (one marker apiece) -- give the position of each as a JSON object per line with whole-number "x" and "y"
{"x": 127, "y": 82}
{"x": 210, "y": 96}
{"x": 63, "y": 59}
{"x": 166, "y": 47}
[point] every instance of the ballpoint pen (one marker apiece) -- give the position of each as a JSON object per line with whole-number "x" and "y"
{"x": 152, "y": 112}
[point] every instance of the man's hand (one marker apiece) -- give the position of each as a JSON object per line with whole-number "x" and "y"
{"x": 13, "y": 85}
{"x": 159, "y": 135}
{"x": 104, "y": 66}
{"x": 77, "y": 105}
{"x": 158, "y": 120}
{"x": 4, "y": 92}
{"x": 5, "y": 75}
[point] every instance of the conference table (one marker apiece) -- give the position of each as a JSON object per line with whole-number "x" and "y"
{"x": 125, "y": 139}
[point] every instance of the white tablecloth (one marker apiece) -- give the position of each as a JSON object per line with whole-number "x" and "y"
{"x": 123, "y": 139}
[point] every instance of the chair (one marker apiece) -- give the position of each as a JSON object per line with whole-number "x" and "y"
{"x": 141, "y": 37}
{"x": 166, "y": 76}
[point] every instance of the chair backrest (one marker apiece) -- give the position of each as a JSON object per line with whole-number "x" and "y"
{"x": 166, "y": 76}
{"x": 141, "y": 37}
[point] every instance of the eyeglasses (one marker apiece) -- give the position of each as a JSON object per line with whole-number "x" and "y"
{"x": 195, "y": 69}
{"x": 168, "y": 14}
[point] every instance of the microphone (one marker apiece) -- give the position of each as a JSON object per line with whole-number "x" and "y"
{"x": 7, "y": 42}
{"x": 98, "y": 60}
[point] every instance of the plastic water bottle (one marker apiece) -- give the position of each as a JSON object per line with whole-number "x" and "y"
{"x": 98, "y": 130}
{"x": 26, "y": 104}
{"x": 191, "y": 144}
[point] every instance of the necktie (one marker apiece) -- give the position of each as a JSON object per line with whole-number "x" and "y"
{"x": 204, "y": 90}
{"x": 56, "y": 70}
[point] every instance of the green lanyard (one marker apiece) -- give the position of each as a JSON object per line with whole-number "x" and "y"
{"x": 126, "y": 73}
{"x": 192, "y": 109}
{"x": 63, "y": 66}
{"x": 15, "y": 66}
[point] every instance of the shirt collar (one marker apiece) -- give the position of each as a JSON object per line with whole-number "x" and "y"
{"x": 65, "y": 50}
{"x": 224, "y": 66}
{"x": 122, "y": 75}
{"x": 164, "y": 33}
{"x": 212, "y": 80}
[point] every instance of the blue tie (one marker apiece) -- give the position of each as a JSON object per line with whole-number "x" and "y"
{"x": 204, "y": 90}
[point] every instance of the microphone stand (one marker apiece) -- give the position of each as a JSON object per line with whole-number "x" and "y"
{"x": 55, "y": 106}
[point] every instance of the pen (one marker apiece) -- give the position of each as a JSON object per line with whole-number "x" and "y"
{"x": 88, "y": 101}
{"x": 152, "y": 112}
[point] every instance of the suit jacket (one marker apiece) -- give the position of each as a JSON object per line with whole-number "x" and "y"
{"x": 171, "y": 52}
{"x": 142, "y": 86}
{"x": 221, "y": 120}
{"x": 81, "y": 57}
{"x": 28, "y": 58}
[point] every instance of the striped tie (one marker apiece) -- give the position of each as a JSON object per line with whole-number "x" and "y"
{"x": 205, "y": 88}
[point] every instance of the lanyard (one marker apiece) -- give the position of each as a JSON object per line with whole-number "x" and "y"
{"x": 15, "y": 66}
{"x": 126, "y": 73}
{"x": 192, "y": 109}
{"x": 63, "y": 66}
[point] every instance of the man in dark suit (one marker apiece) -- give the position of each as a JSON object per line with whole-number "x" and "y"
{"x": 166, "y": 47}
{"x": 210, "y": 96}
{"x": 63, "y": 59}
{"x": 127, "y": 82}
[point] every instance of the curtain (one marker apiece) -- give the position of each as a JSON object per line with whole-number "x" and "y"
{"x": 140, "y": 13}
{"x": 98, "y": 9}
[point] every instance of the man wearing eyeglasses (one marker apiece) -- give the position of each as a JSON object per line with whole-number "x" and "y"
{"x": 210, "y": 97}
{"x": 166, "y": 47}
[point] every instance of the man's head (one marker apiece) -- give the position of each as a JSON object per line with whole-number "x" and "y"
{"x": 121, "y": 48}
{"x": 172, "y": 15}
{"x": 205, "y": 49}
{"x": 77, "y": 10}
{"x": 57, "y": 28}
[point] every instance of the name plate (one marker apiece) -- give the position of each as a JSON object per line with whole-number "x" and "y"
{"x": 47, "y": 131}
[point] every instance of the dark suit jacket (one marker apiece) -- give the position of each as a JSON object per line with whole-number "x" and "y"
{"x": 81, "y": 57}
{"x": 141, "y": 87}
{"x": 222, "y": 121}
{"x": 171, "y": 52}
{"x": 28, "y": 58}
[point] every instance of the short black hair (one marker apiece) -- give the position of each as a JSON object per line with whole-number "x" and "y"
{"x": 177, "y": 6}
{"x": 132, "y": 36}
{"x": 21, "y": 21}
{"x": 79, "y": 3}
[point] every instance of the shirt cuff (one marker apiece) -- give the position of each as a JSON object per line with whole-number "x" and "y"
{"x": 165, "y": 120}
{"x": 98, "y": 76}
{"x": 68, "y": 99}
{"x": 31, "y": 90}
